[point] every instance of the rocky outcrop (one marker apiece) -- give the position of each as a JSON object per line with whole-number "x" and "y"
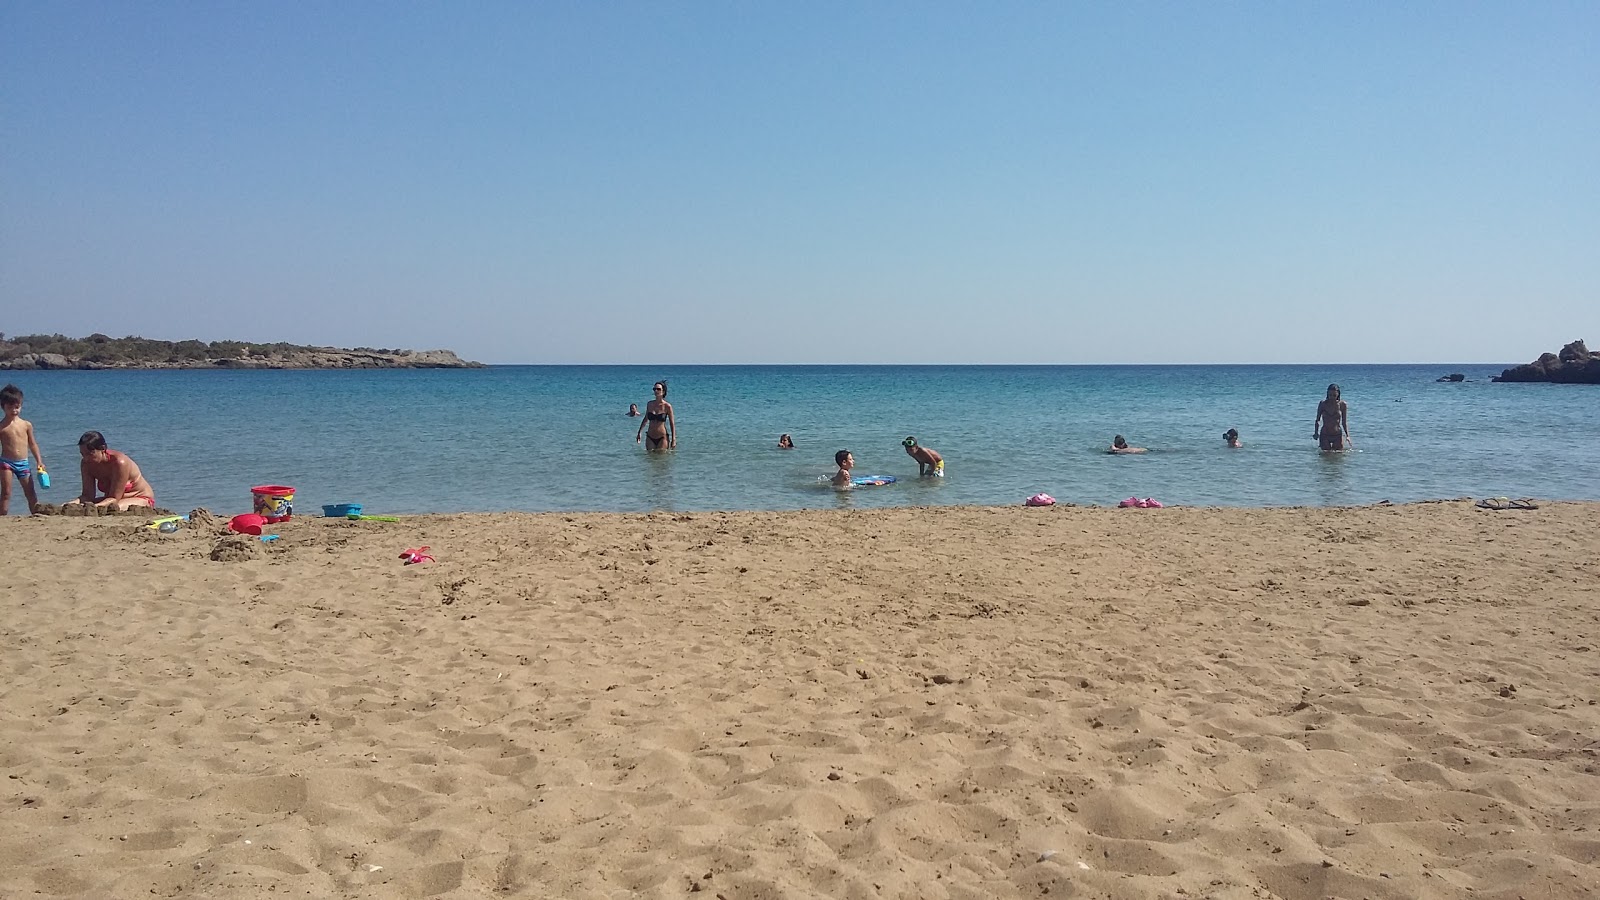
{"x": 296, "y": 358}
{"x": 1452, "y": 377}
{"x": 1573, "y": 365}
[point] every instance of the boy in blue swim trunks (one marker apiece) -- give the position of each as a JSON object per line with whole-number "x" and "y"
{"x": 17, "y": 444}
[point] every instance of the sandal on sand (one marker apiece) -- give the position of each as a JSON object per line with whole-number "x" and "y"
{"x": 1507, "y": 503}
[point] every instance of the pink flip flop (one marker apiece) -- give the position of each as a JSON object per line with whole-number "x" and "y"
{"x": 415, "y": 555}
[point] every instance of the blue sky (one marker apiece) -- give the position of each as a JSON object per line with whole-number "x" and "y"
{"x": 809, "y": 183}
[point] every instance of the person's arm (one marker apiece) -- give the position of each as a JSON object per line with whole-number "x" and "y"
{"x": 672, "y": 427}
{"x": 88, "y": 482}
{"x": 1344, "y": 422}
{"x": 643, "y": 420}
{"x": 33, "y": 447}
{"x": 1316, "y": 429}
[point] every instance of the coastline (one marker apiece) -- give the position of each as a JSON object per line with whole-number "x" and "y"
{"x": 1382, "y": 701}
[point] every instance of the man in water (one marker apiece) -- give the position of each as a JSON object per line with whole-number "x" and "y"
{"x": 929, "y": 462}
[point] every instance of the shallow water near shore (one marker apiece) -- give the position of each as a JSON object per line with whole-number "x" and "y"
{"x": 555, "y": 438}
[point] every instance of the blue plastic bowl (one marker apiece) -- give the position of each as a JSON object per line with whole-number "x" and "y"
{"x": 340, "y": 510}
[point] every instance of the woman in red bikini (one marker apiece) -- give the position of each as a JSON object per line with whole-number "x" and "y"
{"x": 110, "y": 478}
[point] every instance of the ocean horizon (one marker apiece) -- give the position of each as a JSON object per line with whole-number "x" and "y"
{"x": 556, "y": 438}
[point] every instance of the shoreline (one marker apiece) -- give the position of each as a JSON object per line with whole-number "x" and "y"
{"x": 1382, "y": 701}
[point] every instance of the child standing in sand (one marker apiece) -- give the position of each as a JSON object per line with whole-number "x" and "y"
{"x": 17, "y": 444}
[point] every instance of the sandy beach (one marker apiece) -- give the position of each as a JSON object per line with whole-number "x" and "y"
{"x": 1385, "y": 702}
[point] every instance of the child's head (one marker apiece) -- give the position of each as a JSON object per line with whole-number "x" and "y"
{"x": 784, "y": 440}
{"x": 1118, "y": 442}
{"x": 11, "y": 398}
{"x": 843, "y": 459}
{"x": 910, "y": 443}
{"x": 1231, "y": 435}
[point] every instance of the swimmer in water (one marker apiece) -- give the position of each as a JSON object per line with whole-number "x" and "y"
{"x": 929, "y": 462}
{"x": 1120, "y": 445}
{"x": 785, "y": 442}
{"x": 1231, "y": 438}
{"x": 658, "y": 418}
{"x": 1331, "y": 427}
{"x": 845, "y": 462}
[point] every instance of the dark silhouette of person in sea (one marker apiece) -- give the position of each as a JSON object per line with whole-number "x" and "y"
{"x": 1331, "y": 427}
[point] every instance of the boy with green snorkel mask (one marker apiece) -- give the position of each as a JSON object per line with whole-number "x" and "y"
{"x": 929, "y": 462}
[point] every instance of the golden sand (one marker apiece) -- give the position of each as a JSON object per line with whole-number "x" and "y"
{"x": 1386, "y": 702}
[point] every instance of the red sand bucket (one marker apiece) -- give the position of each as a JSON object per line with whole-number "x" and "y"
{"x": 273, "y": 502}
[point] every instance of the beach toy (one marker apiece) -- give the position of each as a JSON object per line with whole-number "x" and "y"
{"x": 268, "y": 538}
{"x": 162, "y": 523}
{"x": 341, "y": 510}
{"x": 44, "y": 478}
{"x": 358, "y": 517}
{"x": 167, "y": 527}
{"x": 273, "y": 502}
{"x": 414, "y": 555}
{"x": 1040, "y": 500}
{"x": 246, "y": 523}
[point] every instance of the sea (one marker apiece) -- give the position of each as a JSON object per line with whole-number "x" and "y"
{"x": 557, "y": 438}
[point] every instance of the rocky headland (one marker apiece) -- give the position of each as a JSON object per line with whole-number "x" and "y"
{"x": 1573, "y": 365}
{"x": 98, "y": 351}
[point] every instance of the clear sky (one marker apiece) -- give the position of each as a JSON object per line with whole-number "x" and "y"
{"x": 883, "y": 182}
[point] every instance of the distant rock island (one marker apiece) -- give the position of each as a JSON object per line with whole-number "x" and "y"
{"x": 97, "y": 351}
{"x": 1573, "y": 365}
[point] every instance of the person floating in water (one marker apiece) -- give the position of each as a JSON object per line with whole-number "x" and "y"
{"x": 845, "y": 462}
{"x": 633, "y": 410}
{"x": 1231, "y": 438}
{"x": 1331, "y": 427}
{"x": 659, "y": 419}
{"x": 1119, "y": 444}
{"x": 785, "y": 441}
{"x": 929, "y": 462}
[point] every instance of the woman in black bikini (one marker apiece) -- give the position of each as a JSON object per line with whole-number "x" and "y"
{"x": 1331, "y": 427}
{"x": 658, "y": 418}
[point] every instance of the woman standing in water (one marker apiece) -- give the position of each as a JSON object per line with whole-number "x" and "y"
{"x": 1331, "y": 427}
{"x": 663, "y": 428}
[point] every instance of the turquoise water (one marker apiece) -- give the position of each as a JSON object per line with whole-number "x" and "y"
{"x": 556, "y": 438}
